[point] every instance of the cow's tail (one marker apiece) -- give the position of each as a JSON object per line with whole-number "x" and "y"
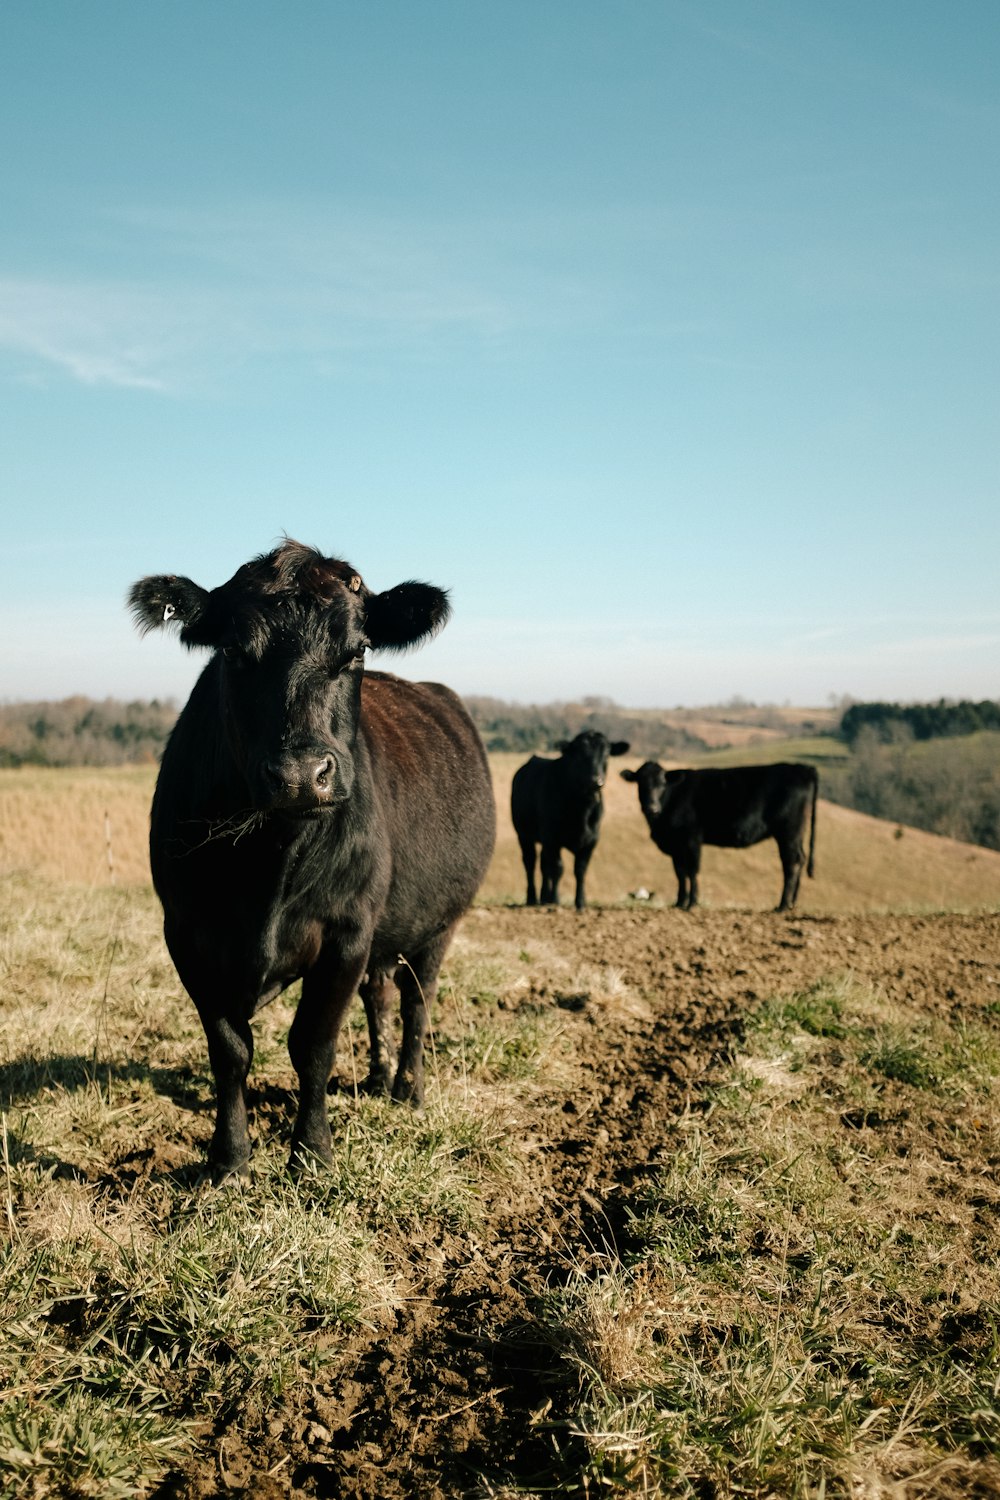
{"x": 811, "y": 866}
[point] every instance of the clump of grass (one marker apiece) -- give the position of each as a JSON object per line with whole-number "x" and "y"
{"x": 806, "y": 1308}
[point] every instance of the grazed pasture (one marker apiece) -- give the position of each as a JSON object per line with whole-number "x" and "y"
{"x": 699, "y": 1204}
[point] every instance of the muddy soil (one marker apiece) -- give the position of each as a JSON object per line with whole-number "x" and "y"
{"x": 463, "y": 1397}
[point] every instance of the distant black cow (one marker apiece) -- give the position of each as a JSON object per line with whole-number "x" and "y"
{"x": 732, "y": 808}
{"x": 312, "y": 821}
{"x": 558, "y": 804}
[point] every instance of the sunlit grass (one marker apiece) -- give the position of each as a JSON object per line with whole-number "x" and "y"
{"x": 811, "y": 1304}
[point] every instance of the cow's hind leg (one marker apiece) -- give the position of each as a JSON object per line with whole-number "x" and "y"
{"x": 528, "y": 857}
{"x": 793, "y": 859}
{"x": 378, "y": 994}
{"x": 417, "y": 977}
{"x": 552, "y": 869}
{"x": 327, "y": 990}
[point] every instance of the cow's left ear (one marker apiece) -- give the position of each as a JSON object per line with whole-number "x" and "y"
{"x": 618, "y": 747}
{"x": 405, "y": 615}
{"x": 628, "y": 775}
{"x": 166, "y": 599}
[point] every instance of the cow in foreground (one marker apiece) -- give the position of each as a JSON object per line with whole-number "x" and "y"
{"x": 311, "y": 820}
{"x": 731, "y": 808}
{"x": 558, "y": 804}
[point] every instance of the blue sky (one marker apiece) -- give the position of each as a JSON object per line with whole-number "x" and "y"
{"x": 664, "y": 334}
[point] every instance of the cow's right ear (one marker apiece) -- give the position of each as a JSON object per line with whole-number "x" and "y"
{"x": 562, "y": 746}
{"x": 166, "y": 599}
{"x": 628, "y": 775}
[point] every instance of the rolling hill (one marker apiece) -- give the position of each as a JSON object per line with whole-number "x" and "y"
{"x": 64, "y": 824}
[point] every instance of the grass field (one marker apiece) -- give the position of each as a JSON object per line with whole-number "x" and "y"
{"x": 699, "y": 1205}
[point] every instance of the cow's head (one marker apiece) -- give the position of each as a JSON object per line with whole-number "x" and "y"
{"x": 290, "y": 630}
{"x": 654, "y": 785}
{"x": 586, "y": 759}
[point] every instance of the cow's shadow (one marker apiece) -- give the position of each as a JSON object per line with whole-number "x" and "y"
{"x": 26, "y": 1080}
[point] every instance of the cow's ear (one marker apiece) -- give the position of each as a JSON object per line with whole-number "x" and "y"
{"x": 618, "y": 747}
{"x": 405, "y": 615}
{"x": 166, "y": 600}
{"x": 562, "y": 746}
{"x": 628, "y": 775}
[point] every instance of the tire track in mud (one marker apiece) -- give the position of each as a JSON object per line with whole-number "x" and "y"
{"x": 464, "y": 1385}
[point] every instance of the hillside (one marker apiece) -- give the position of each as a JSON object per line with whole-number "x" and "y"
{"x": 53, "y": 822}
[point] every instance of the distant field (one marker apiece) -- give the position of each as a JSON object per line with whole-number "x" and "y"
{"x": 57, "y": 824}
{"x": 817, "y": 749}
{"x": 740, "y": 728}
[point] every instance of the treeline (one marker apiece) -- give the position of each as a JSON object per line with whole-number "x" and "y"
{"x": 538, "y": 727}
{"x": 83, "y": 732}
{"x": 949, "y": 785}
{"x": 924, "y": 721}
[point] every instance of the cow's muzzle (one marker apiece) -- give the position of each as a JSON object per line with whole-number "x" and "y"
{"x": 302, "y": 784}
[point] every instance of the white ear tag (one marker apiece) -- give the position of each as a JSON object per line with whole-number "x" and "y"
{"x": 169, "y": 610}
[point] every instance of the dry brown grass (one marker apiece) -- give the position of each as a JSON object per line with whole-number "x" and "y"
{"x": 56, "y": 822}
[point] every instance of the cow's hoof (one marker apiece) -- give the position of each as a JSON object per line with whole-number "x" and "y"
{"x": 407, "y": 1090}
{"x": 226, "y": 1174}
{"x": 378, "y": 1084}
{"x": 306, "y": 1159}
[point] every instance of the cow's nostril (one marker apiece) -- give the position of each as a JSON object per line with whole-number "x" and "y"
{"x": 322, "y": 774}
{"x": 273, "y": 776}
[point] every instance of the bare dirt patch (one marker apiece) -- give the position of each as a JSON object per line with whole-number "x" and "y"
{"x": 460, "y": 1395}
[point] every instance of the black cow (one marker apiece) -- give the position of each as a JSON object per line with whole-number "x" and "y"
{"x": 732, "y": 808}
{"x": 558, "y": 804}
{"x": 312, "y": 821}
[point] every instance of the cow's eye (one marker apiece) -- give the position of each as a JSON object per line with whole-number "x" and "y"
{"x": 232, "y": 653}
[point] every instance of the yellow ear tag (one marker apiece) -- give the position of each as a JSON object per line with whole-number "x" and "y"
{"x": 355, "y": 584}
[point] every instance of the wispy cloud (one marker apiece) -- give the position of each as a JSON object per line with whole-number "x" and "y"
{"x": 189, "y": 290}
{"x": 224, "y": 286}
{"x": 98, "y": 334}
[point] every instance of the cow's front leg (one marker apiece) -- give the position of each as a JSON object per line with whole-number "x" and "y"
{"x": 327, "y": 990}
{"x": 552, "y": 869}
{"x": 230, "y": 1051}
{"x": 377, "y": 992}
{"x": 580, "y": 864}
{"x": 682, "y": 885}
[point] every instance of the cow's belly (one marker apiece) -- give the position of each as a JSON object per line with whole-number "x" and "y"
{"x": 739, "y": 837}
